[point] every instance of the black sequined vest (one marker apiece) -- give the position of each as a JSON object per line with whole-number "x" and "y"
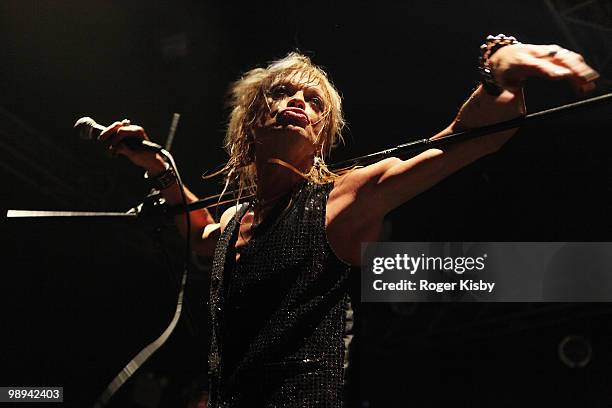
{"x": 281, "y": 315}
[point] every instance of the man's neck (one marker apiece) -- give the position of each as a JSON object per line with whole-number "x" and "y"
{"x": 275, "y": 180}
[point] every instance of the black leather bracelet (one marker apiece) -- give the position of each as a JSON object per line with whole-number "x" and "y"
{"x": 164, "y": 180}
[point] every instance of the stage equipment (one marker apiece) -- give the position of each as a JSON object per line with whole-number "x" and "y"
{"x": 88, "y": 129}
{"x": 420, "y": 145}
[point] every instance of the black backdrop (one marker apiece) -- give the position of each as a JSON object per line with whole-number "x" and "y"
{"x": 82, "y": 296}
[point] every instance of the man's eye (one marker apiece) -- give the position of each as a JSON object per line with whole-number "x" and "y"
{"x": 279, "y": 90}
{"x": 317, "y": 102}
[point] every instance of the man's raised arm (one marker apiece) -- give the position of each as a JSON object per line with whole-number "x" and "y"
{"x": 204, "y": 231}
{"x": 394, "y": 181}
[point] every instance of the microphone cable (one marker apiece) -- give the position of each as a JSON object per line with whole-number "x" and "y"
{"x": 144, "y": 354}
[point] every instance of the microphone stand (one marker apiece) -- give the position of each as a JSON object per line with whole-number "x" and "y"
{"x": 154, "y": 207}
{"x": 67, "y": 214}
{"x": 159, "y": 208}
{"x": 420, "y": 145}
{"x": 429, "y": 143}
{"x": 152, "y": 210}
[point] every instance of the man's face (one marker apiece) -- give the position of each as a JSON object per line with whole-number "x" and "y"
{"x": 295, "y": 105}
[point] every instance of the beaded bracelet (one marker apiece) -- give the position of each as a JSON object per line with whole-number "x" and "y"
{"x": 487, "y": 49}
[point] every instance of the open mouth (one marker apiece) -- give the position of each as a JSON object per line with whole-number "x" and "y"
{"x": 293, "y": 116}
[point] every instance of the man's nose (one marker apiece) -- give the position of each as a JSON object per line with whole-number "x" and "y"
{"x": 297, "y": 101}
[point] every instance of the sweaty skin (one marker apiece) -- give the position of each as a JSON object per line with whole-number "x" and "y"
{"x": 360, "y": 199}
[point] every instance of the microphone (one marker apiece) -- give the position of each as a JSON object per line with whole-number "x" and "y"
{"x": 88, "y": 129}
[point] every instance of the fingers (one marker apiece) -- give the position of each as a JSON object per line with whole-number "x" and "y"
{"x": 547, "y": 69}
{"x": 575, "y": 62}
{"x": 118, "y": 132}
{"x": 109, "y": 131}
{"x": 514, "y": 64}
{"x": 580, "y": 73}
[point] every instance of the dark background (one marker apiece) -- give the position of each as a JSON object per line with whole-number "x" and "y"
{"x": 81, "y": 297}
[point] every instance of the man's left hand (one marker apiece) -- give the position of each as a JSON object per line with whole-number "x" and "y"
{"x": 513, "y": 64}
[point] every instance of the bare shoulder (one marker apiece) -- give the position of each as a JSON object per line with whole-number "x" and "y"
{"x": 352, "y": 187}
{"x": 352, "y": 215}
{"x": 211, "y": 233}
{"x": 229, "y": 214}
{"x": 363, "y": 176}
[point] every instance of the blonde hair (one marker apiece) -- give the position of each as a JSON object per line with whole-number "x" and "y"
{"x": 248, "y": 103}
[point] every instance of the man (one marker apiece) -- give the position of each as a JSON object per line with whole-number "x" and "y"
{"x": 280, "y": 300}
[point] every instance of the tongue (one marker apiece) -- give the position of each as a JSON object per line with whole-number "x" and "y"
{"x": 292, "y": 118}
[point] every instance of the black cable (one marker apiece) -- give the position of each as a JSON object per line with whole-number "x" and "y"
{"x": 428, "y": 143}
{"x": 150, "y": 349}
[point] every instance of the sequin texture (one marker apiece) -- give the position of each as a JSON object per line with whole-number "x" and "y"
{"x": 279, "y": 314}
